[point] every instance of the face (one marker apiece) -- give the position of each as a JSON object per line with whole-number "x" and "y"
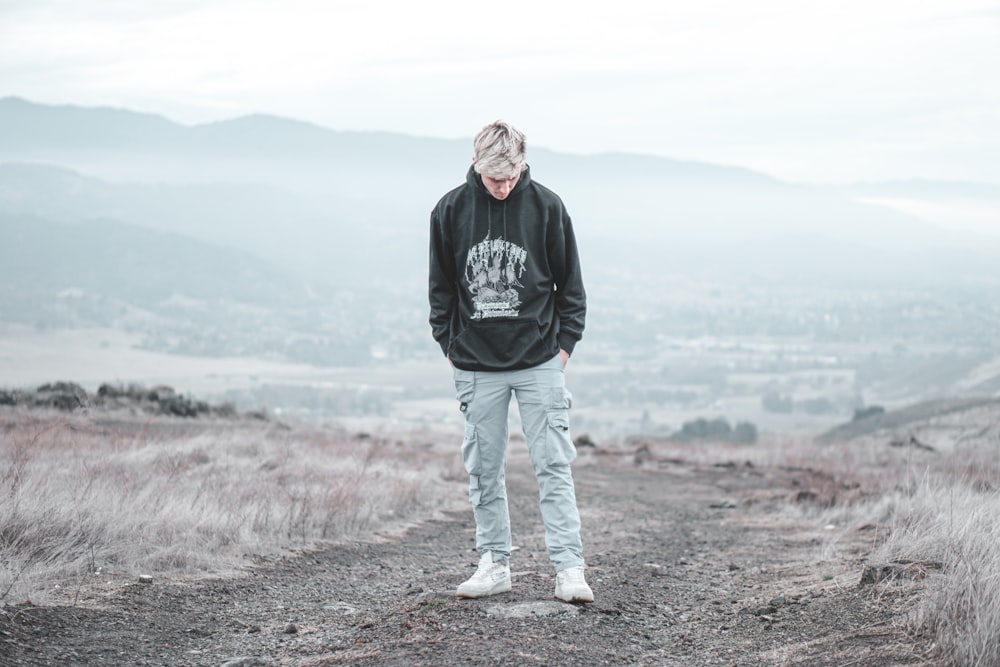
{"x": 500, "y": 187}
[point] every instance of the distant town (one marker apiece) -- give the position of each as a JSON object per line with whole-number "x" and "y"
{"x": 774, "y": 356}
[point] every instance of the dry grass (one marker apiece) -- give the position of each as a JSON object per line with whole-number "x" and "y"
{"x": 928, "y": 498}
{"x": 937, "y": 502}
{"x": 936, "y": 509}
{"x": 953, "y": 531}
{"x": 78, "y": 499}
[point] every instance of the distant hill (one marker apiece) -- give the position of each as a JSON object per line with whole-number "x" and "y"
{"x": 46, "y": 130}
{"x": 307, "y": 235}
{"x": 928, "y": 188}
{"x": 30, "y": 127}
{"x": 138, "y": 265}
{"x": 127, "y": 146}
{"x": 181, "y": 294}
{"x": 955, "y": 204}
{"x": 901, "y": 419}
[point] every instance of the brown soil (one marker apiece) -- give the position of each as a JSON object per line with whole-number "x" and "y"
{"x": 690, "y": 565}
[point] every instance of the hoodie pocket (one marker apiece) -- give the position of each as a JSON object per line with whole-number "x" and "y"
{"x": 498, "y": 344}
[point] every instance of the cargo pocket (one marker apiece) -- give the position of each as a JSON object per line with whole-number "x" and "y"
{"x": 559, "y": 447}
{"x": 470, "y": 451}
{"x": 475, "y": 491}
{"x": 465, "y": 386}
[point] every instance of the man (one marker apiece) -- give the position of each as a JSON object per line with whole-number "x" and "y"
{"x": 508, "y": 307}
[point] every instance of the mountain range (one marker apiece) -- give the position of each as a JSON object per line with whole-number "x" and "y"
{"x": 339, "y": 205}
{"x": 261, "y": 208}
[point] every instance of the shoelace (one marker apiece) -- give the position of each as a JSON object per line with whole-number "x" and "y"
{"x": 573, "y": 575}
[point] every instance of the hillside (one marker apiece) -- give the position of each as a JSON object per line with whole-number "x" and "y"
{"x": 311, "y": 236}
{"x": 902, "y": 426}
{"x": 128, "y": 262}
{"x": 181, "y": 294}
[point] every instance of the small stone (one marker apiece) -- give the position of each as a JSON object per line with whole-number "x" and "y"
{"x": 341, "y": 608}
{"x": 530, "y": 610}
{"x": 874, "y": 574}
{"x": 291, "y": 629}
{"x": 248, "y": 662}
{"x": 724, "y": 505}
{"x": 779, "y": 601}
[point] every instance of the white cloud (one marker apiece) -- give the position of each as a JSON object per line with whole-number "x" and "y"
{"x": 807, "y": 90}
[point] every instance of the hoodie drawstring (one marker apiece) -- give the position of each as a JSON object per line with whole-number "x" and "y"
{"x": 489, "y": 220}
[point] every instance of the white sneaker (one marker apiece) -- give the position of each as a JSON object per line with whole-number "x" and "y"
{"x": 571, "y": 585}
{"x": 490, "y": 578}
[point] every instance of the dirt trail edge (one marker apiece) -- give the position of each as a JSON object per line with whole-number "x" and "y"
{"x": 690, "y": 565}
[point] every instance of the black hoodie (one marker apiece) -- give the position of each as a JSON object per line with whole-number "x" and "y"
{"x": 506, "y": 290}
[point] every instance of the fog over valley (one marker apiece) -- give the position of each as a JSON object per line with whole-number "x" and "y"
{"x": 714, "y": 291}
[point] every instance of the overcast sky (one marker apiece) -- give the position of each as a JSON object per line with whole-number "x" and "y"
{"x": 803, "y": 90}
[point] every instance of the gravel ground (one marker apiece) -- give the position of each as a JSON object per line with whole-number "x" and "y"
{"x": 690, "y": 565}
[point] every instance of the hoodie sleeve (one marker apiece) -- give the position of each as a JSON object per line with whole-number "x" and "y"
{"x": 442, "y": 281}
{"x": 571, "y": 298}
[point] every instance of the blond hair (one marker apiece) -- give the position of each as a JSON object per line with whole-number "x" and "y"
{"x": 500, "y": 151}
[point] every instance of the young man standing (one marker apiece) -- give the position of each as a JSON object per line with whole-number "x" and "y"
{"x": 508, "y": 307}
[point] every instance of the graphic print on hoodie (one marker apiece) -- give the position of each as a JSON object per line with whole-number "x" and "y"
{"x": 492, "y": 272}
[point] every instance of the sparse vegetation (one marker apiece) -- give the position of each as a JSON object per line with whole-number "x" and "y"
{"x": 717, "y": 430}
{"x": 924, "y": 483}
{"x": 84, "y": 497}
{"x": 953, "y": 530}
{"x": 100, "y": 495}
{"x": 937, "y": 514}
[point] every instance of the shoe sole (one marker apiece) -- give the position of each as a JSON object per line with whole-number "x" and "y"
{"x": 575, "y": 599}
{"x": 504, "y": 588}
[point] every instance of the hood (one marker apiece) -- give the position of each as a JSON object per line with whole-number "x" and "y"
{"x": 476, "y": 182}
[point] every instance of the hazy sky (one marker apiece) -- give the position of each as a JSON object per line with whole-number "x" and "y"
{"x": 803, "y": 90}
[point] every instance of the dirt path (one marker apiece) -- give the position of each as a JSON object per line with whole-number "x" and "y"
{"x": 690, "y": 566}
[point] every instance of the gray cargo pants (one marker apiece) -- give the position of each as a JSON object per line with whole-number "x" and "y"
{"x": 544, "y": 403}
